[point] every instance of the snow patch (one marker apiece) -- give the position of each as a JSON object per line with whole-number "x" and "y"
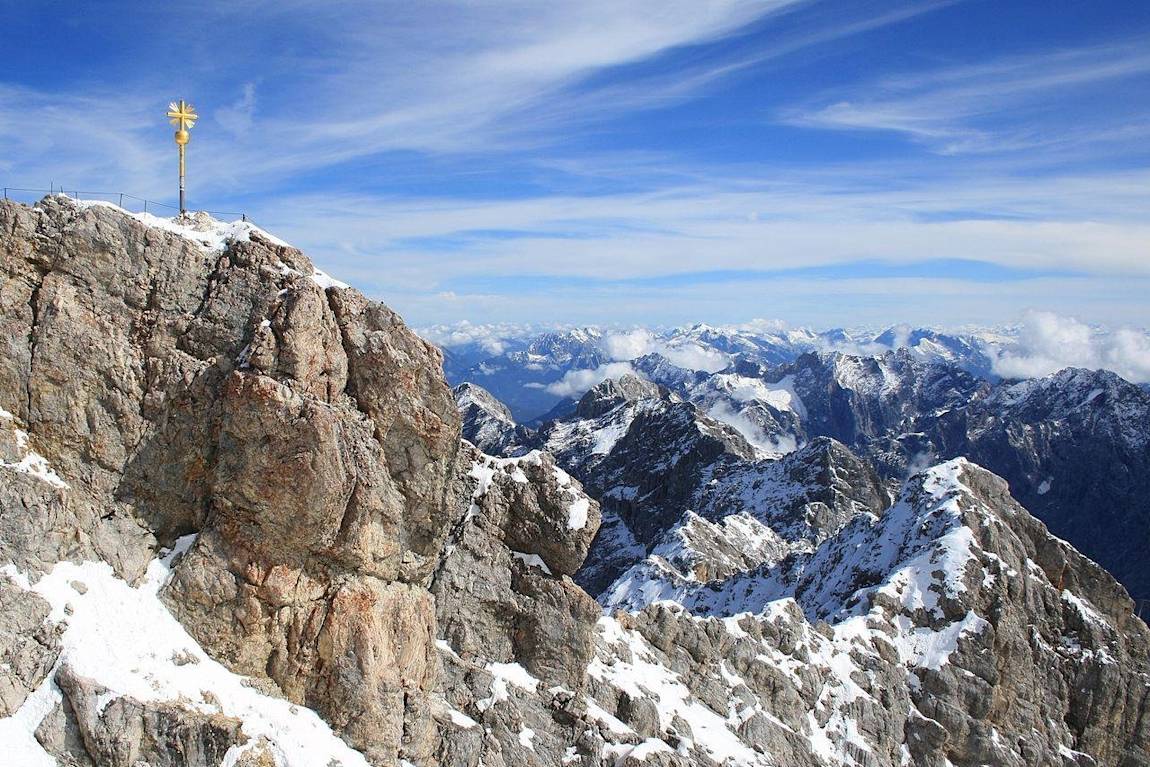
{"x": 124, "y": 639}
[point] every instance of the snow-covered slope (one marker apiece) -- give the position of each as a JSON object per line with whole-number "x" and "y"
{"x": 851, "y": 649}
{"x": 121, "y": 657}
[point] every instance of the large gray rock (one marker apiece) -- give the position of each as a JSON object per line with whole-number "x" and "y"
{"x": 303, "y": 431}
{"x": 503, "y": 590}
{"x": 28, "y": 646}
{"x": 127, "y": 733}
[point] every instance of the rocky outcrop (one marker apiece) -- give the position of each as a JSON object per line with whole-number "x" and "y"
{"x": 613, "y": 392}
{"x": 510, "y": 616}
{"x": 29, "y": 646}
{"x": 124, "y": 732}
{"x": 303, "y": 432}
{"x": 503, "y": 590}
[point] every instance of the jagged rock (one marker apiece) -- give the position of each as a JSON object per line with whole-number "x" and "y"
{"x": 59, "y": 734}
{"x": 614, "y": 392}
{"x": 503, "y": 590}
{"x": 487, "y": 423}
{"x": 28, "y": 647}
{"x": 303, "y": 431}
{"x": 125, "y": 732}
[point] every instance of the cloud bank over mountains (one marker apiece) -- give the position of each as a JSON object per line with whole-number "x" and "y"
{"x": 1048, "y": 342}
{"x": 1038, "y": 344}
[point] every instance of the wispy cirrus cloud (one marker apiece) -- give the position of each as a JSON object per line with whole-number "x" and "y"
{"x": 437, "y": 78}
{"x": 1088, "y": 223}
{"x": 1009, "y": 104}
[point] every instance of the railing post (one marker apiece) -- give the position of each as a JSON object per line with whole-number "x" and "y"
{"x": 145, "y": 206}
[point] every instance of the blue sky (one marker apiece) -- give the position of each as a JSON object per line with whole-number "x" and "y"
{"x": 826, "y": 163}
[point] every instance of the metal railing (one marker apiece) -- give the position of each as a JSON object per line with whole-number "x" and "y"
{"x": 122, "y": 199}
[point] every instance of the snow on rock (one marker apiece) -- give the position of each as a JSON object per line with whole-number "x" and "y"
{"x": 505, "y": 676}
{"x": 17, "y": 732}
{"x": 29, "y": 461}
{"x": 637, "y": 671}
{"x": 199, "y": 227}
{"x": 832, "y": 645}
{"x": 124, "y": 639}
{"x": 211, "y": 234}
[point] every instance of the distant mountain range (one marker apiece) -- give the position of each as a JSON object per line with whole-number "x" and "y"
{"x": 533, "y": 372}
{"x": 1074, "y": 446}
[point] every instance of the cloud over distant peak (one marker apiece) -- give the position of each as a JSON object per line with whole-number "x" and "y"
{"x": 1048, "y": 342}
{"x": 631, "y": 344}
{"x": 575, "y": 382}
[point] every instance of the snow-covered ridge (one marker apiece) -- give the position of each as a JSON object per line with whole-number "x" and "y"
{"x": 208, "y": 232}
{"x": 920, "y": 546}
{"x": 889, "y": 603}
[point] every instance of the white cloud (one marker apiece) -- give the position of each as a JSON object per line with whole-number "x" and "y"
{"x": 1088, "y": 222}
{"x": 630, "y": 344}
{"x": 493, "y": 338}
{"x": 437, "y": 77}
{"x": 576, "y": 382}
{"x": 236, "y": 118}
{"x": 750, "y": 431}
{"x": 695, "y": 357}
{"x": 635, "y": 343}
{"x": 1048, "y": 342}
{"x": 988, "y": 107}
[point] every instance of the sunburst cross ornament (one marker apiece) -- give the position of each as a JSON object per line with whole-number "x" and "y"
{"x": 183, "y": 116}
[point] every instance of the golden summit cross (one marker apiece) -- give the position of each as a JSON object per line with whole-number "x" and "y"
{"x": 183, "y": 116}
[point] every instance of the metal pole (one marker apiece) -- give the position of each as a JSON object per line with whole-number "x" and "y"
{"x": 183, "y": 208}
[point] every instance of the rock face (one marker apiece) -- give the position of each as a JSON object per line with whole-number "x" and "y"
{"x": 238, "y": 526}
{"x": 300, "y": 430}
{"x": 125, "y": 732}
{"x": 503, "y": 590}
{"x": 28, "y": 647}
